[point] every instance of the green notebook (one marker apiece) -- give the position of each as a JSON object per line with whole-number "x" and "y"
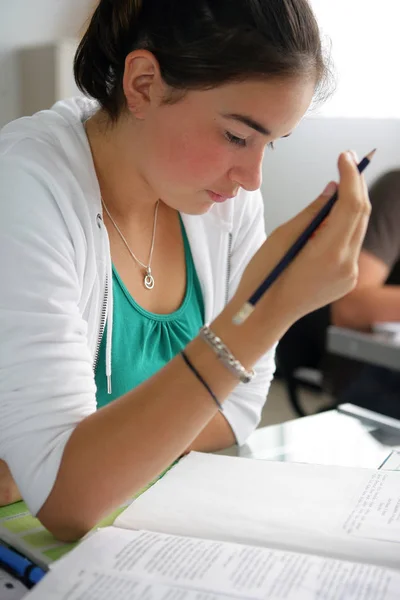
{"x": 25, "y": 533}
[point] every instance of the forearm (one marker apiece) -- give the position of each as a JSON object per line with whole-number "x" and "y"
{"x": 365, "y": 306}
{"x": 119, "y": 449}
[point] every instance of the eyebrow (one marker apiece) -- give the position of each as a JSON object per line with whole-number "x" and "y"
{"x": 250, "y": 123}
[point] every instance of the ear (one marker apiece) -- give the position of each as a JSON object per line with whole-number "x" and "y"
{"x": 142, "y": 82}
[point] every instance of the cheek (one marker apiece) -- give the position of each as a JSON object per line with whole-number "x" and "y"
{"x": 200, "y": 164}
{"x": 192, "y": 159}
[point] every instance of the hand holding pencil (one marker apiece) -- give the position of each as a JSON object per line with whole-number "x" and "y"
{"x": 316, "y": 271}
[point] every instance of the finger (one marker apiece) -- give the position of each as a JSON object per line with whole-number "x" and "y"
{"x": 360, "y": 231}
{"x": 352, "y": 202}
{"x": 365, "y": 190}
{"x": 350, "y": 177}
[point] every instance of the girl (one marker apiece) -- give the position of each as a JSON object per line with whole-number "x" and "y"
{"x": 132, "y": 220}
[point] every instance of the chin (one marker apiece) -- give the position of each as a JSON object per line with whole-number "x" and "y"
{"x": 194, "y": 206}
{"x": 189, "y": 203}
{"x": 196, "y": 209}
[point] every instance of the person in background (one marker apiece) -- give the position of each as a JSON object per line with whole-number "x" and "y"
{"x": 375, "y": 299}
{"x": 131, "y": 220}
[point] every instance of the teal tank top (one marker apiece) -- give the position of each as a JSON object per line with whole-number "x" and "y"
{"x": 143, "y": 342}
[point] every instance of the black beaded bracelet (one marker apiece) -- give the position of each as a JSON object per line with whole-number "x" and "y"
{"x": 199, "y": 377}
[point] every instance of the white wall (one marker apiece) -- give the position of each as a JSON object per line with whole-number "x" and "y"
{"x": 28, "y": 22}
{"x": 364, "y": 33}
{"x": 363, "y": 114}
{"x": 296, "y": 172}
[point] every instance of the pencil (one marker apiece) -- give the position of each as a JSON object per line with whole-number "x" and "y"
{"x": 293, "y": 251}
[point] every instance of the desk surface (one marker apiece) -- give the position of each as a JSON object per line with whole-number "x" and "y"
{"x": 329, "y": 438}
{"x": 374, "y": 348}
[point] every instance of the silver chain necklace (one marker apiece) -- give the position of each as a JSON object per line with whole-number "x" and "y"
{"x": 148, "y": 278}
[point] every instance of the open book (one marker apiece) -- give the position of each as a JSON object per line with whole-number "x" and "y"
{"x": 217, "y": 527}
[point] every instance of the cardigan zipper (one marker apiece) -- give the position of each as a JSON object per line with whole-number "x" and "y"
{"x": 102, "y": 324}
{"x": 228, "y": 268}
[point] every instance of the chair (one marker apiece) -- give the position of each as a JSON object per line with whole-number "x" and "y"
{"x": 300, "y": 354}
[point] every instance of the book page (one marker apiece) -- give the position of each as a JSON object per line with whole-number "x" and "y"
{"x": 117, "y": 564}
{"x": 93, "y": 585}
{"x": 376, "y": 513}
{"x": 290, "y": 506}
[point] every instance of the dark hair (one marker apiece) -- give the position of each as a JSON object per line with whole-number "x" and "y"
{"x": 199, "y": 44}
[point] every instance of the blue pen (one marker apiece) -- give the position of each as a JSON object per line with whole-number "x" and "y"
{"x": 293, "y": 251}
{"x": 20, "y": 567}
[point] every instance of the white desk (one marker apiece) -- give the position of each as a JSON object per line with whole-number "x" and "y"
{"x": 329, "y": 438}
{"x": 374, "y": 348}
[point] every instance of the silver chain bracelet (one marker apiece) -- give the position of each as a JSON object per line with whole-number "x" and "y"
{"x": 225, "y": 355}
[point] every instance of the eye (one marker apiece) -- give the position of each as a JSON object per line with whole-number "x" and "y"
{"x": 233, "y": 139}
{"x": 271, "y": 146}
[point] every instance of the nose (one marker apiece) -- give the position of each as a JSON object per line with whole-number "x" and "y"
{"x": 247, "y": 172}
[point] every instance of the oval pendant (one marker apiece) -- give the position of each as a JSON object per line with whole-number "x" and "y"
{"x": 149, "y": 282}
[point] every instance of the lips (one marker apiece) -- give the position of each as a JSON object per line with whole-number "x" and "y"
{"x": 219, "y": 197}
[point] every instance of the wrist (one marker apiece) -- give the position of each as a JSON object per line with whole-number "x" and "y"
{"x": 225, "y": 355}
{"x": 249, "y": 341}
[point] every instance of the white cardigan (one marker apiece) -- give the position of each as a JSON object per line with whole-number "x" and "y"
{"x": 55, "y": 261}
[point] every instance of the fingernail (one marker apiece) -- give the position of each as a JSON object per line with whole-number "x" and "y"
{"x": 330, "y": 189}
{"x": 351, "y": 155}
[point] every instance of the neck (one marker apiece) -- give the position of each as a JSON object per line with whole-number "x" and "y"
{"x": 115, "y": 151}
